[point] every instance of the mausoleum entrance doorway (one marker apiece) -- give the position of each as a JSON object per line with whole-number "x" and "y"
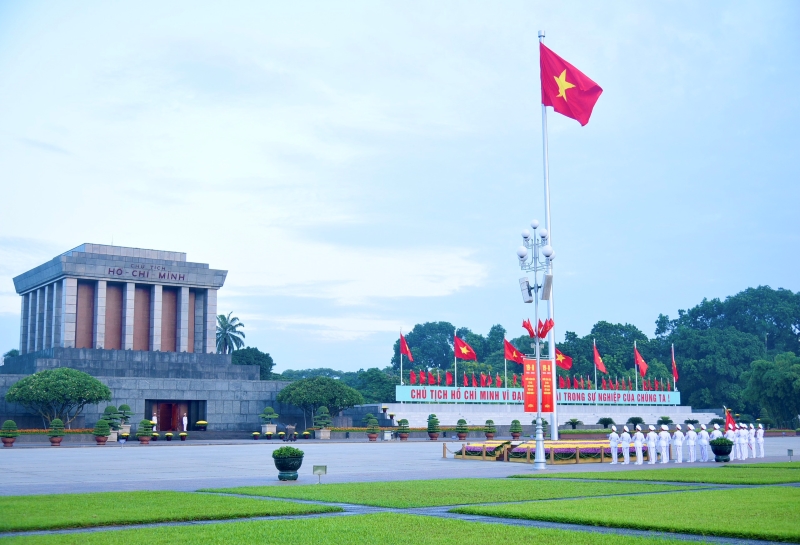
{"x": 170, "y": 412}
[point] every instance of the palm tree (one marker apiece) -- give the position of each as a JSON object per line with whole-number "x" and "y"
{"x": 229, "y": 338}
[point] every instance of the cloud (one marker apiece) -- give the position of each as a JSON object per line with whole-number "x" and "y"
{"x": 334, "y": 328}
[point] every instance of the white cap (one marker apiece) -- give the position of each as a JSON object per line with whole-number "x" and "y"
{"x": 638, "y": 427}
{"x": 716, "y": 426}
{"x": 625, "y": 428}
{"x": 702, "y": 426}
{"x": 613, "y": 428}
{"x": 677, "y": 426}
{"x": 760, "y": 426}
{"x": 652, "y": 427}
{"x": 730, "y": 427}
{"x": 690, "y": 426}
{"x": 752, "y": 427}
{"x": 664, "y": 427}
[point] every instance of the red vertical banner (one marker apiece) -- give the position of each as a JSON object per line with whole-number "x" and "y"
{"x": 529, "y": 386}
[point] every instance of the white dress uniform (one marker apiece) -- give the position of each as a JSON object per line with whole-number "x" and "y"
{"x": 691, "y": 440}
{"x": 625, "y": 443}
{"x": 652, "y": 439}
{"x": 154, "y": 420}
{"x": 751, "y": 441}
{"x": 702, "y": 440}
{"x": 730, "y": 435}
{"x": 638, "y": 440}
{"x": 613, "y": 439}
{"x": 677, "y": 440}
{"x": 663, "y": 444}
{"x": 760, "y": 440}
{"x": 742, "y": 442}
{"x": 716, "y": 434}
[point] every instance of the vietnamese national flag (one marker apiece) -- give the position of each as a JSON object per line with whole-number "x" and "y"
{"x": 630, "y": 384}
{"x": 498, "y": 381}
{"x": 515, "y": 380}
{"x": 404, "y": 348}
{"x": 463, "y": 350}
{"x": 575, "y": 384}
{"x": 413, "y": 377}
{"x": 448, "y": 378}
{"x": 545, "y": 328}
{"x": 528, "y": 327}
{"x": 483, "y": 380}
{"x": 582, "y": 388}
{"x": 474, "y": 382}
{"x": 588, "y": 383}
{"x": 598, "y": 361}
{"x": 466, "y": 381}
{"x": 645, "y": 386}
{"x": 640, "y": 363}
{"x": 604, "y": 384}
{"x": 431, "y": 379}
{"x": 438, "y": 378}
{"x": 561, "y": 382}
{"x": 489, "y": 381}
{"x": 423, "y": 377}
{"x": 674, "y": 366}
{"x": 568, "y": 90}
{"x": 730, "y": 422}
{"x": 512, "y": 353}
{"x": 562, "y": 360}
{"x": 658, "y": 386}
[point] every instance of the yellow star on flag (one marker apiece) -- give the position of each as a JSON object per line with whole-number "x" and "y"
{"x": 464, "y": 350}
{"x": 563, "y": 85}
{"x": 560, "y": 357}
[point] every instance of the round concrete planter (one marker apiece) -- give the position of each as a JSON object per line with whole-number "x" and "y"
{"x": 461, "y": 436}
{"x": 403, "y": 436}
{"x": 56, "y": 441}
{"x": 144, "y": 440}
{"x": 287, "y": 468}
{"x": 515, "y": 436}
{"x": 433, "y": 436}
{"x": 372, "y": 436}
{"x": 721, "y": 452}
{"x": 489, "y": 436}
{"x": 8, "y": 441}
{"x": 100, "y": 439}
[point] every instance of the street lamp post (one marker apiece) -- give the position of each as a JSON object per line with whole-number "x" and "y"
{"x": 531, "y": 261}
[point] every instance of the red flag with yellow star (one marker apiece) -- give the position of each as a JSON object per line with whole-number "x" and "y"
{"x": 568, "y": 90}
{"x": 463, "y": 350}
{"x": 512, "y": 353}
{"x": 562, "y": 360}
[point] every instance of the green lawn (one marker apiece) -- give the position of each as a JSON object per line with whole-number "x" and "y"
{"x": 110, "y": 508}
{"x": 768, "y": 513}
{"x": 711, "y": 474}
{"x": 774, "y": 465}
{"x": 380, "y": 529}
{"x": 443, "y": 492}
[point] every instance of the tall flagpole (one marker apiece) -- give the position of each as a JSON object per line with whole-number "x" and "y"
{"x": 401, "y": 357}
{"x": 635, "y": 366}
{"x": 595, "y": 376}
{"x": 551, "y": 336}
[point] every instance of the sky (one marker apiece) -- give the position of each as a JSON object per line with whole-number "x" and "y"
{"x": 360, "y": 167}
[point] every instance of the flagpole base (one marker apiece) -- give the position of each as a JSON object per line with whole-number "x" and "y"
{"x": 540, "y": 462}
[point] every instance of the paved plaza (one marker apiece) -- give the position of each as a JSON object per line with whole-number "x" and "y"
{"x": 190, "y": 466}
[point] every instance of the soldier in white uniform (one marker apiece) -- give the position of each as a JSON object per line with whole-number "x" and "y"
{"x": 677, "y": 440}
{"x": 663, "y": 443}
{"x": 154, "y": 420}
{"x": 760, "y": 440}
{"x": 751, "y": 441}
{"x": 742, "y": 441}
{"x": 730, "y": 435}
{"x": 613, "y": 439}
{"x": 625, "y": 443}
{"x": 691, "y": 439}
{"x": 638, "y": 439}
{"x": 702, "y": 440}
{"x": 652, "y": 439}
{"x": 716, "y": 434}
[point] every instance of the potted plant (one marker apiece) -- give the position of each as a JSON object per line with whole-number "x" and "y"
{"x": 515, "y": 429}
{"x": 268, "y": 435}
{"x": 256, "y": 435}
{"x": 9, "y": 432}
{"x": 201, "y": 425}
{"x": 306, "y": 435}
{"x": 125, "y": 414}
{"x": 489, "y": 429}
{"x": 183, "y": 435}
{"x": 56, "y": 432}
{"x": 144, "y": 431}
{"x": 721, "y": 448}
{"x": 268, "y": 415}
{"x": 607, "y": 421}
{"x": 461, "y": 429}
{"x": 402, "y": 429}
{"x": 154, "y": 436}
{"x": 323, "y": 421}
{"x": 123, "y": 437}
{"x": 101, "y": 432}
{"x": 287, "y": 461}
{"x": 433, "y": 427}
{"x": 281, "y": 435}
{"x": 373, "y": 429}
{"x": 574, "y": 422}
{"x": 168, "y": 436}
{"x": 114, "y": 418}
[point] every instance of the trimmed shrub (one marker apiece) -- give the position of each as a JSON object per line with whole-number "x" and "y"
{"x": 461, "y": 426}
{"x": 145, "y": 428}
{"x": 9, "y": 429}
{"x": 372, "y": 425}
{"x": 323, "y": 418}
{"x": 102, "y": 429}
{"x": 56, "y": 428}
{"x": 638, "y": 421}
{"x": 287, "y": 452}
{"x": 516, "y": 427}
{"x": 606, "y": 421}
{"x": 268, "y": 415}
{"x": 433, "y": 424}
{"x": 125, "y": 413}
{"x": 402, "y": 426}
{"x": 489, "y": 427}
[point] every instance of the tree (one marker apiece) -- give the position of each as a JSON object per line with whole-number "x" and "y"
{"x": 229, "y": 338}
{"x": 13, "y": 353}
{"x": 606, "y": 422}
{"x": 663, "y": 420}
{"x": 254, "y": 356}
{"x": 323, "y": 418}
{"x": 775, "y": 385}
{"x": 58, "y": 393}
{"x": 574, "y": 422}
{"x": 375, "y": 385}
{"x": 431, "y": 344}
{"x": 635, "y": 421}
{"x": 311, "y": 393}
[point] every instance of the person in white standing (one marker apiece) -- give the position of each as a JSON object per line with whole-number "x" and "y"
{"x": 702, "y": 440}
{"x": 760, "y": 440}
{"x": 625, "y": 442}
{"x": 716, "y": 434}
{"x": 652, "y": 439}
{"x": 742, "y": 441}
{"x": 691, "y": 439}
{"x": 638, "y": 439}
{"x": 185, "y": 422}
{"x": 677, "y": 440}
{"x": 751, "y": 440}
{"x": 613, "y": 439}
{"x": 663, "y": 443}
{"x": 730, "y": 435}
{"x": 154, "y": 420}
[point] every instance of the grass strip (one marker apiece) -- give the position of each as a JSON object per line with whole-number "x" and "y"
{"x": 433, "y": 493}
{"x": 711, "y": 475}
{"x": 773, "y": 465}
{"x": 47, "y": 512}
{"x": 768, "y": 513}
{"x": 378, "y": 529}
